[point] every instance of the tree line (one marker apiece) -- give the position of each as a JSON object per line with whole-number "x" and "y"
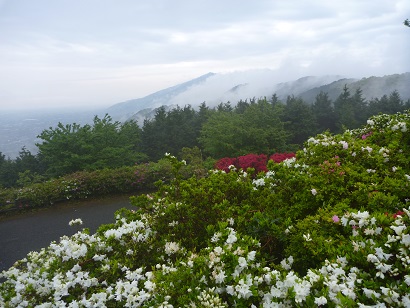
{"x": 264, "y": 125}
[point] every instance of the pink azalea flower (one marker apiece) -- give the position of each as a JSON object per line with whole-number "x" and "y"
{"x": 335, "y": 218}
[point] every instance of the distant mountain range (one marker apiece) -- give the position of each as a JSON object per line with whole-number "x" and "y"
{"x": 20, "y": 128}
{"x": 214, "y": 88}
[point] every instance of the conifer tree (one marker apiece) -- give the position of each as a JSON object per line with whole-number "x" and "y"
{"x": 345, "y": 115}
{"x": 324, "y": 113}
{"x": 299, "y": 120}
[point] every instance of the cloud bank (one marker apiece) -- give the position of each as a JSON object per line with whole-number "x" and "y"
{"x": 97, "y": 53}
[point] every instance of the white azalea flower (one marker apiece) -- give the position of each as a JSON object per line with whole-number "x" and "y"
{"x": 320, "y": 301}
{"x": 307, "y": 237}
{"x": 75, "y": 222}
{"x": 398, "y": 229}
{"x": 231, "y": 237}
{"x": 171, "y": 248}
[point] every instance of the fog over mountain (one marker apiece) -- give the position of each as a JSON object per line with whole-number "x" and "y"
{"x": 372, "y": 87}
{"x": 216, "y": 88}
{"x": 232, "y": 87}
{"x": 18, "y": 129}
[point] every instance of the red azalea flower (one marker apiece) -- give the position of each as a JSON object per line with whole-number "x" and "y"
{"x": 279, "y": 157}
{"x": 398, "y": 213}
{"x": 258, "y": 162}
{"x": 224, "y": 163}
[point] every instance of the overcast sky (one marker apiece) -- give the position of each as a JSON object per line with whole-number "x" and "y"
{"x": 101, "y": 52}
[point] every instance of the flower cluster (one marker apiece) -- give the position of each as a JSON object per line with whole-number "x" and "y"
{"x": 255, "y": 161}
{"x": 68, "y": 263}
{"x": 280, "y": 157}
{"x": 229, "y": 268}
{"x": 332, "y": 166}
{"x": 74, "y": 222}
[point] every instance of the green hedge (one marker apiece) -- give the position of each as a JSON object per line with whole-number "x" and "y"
{"x": 81, "y": 185}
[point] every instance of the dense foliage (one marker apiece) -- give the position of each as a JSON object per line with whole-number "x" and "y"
{"x": 327, "y": 228}
{"x": 94, "y": 184}
{"x": 105, "y": 144}
{"x": 88, "y": 184}
{"x": 251, "y": 126}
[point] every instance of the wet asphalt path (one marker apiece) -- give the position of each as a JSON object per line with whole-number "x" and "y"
{"x": 30, "y": 231}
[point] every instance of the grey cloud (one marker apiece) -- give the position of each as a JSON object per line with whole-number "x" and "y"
{"x": 132, "y": 47}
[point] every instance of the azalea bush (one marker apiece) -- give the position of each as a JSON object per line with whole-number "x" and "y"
{"x": 279, "y": 157}
{"x": 328, "y": 227}
{"x": 258, "y": 162}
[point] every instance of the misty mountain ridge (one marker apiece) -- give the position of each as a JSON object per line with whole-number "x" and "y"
{"x": 21, "y": 128}
{"x": 122, "y": 111}
{"x": 372, "y": 87}
{"x": 214, "y": 89}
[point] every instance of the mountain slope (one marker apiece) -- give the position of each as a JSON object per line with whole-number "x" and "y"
{"x": 372, "y": 87}
{"x": 301, "y": 85}
{"x": 124, "y": 110}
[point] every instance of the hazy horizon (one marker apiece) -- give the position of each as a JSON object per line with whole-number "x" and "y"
{"x": 264, "y": 88}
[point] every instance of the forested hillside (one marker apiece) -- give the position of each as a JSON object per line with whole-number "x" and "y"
{"x": 264, "y": 126}
{"x": 371, "y": 87}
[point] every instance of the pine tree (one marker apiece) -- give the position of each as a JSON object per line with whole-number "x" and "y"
{"x": 324, "y": 113}
{"x": 299, "y": 120}
{"x": 345, "y": 114}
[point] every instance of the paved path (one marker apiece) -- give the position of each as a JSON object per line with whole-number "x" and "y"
{"x": 30, "y": 231}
